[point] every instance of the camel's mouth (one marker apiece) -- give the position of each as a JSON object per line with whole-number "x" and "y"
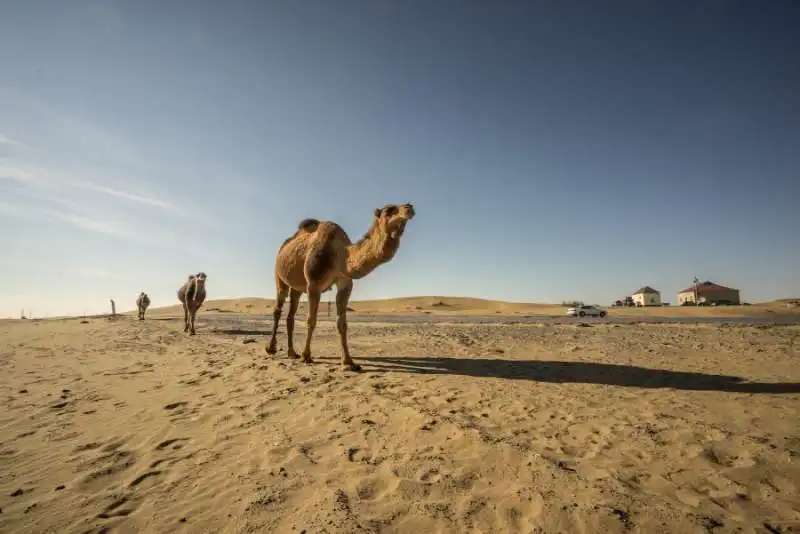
{"x": 398, "y": 230}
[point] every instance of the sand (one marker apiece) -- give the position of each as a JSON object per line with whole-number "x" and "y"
{"x": 126, "y": 426}
{"x": 462, "y": 306}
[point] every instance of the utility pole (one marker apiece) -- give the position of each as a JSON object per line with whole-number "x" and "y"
{"x": 696, "y": 281}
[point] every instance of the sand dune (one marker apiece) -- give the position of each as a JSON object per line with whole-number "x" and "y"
{"x": 127, "y": 426}
{"x": 441, "y": 305}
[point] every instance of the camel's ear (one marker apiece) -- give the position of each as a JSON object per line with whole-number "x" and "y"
{"x": 377, "y": 212}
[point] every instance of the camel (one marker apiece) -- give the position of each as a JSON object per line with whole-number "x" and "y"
{"x": 142, "y": 303}
{"x": 192, "y": 294}
{"x": 319, "y": 255}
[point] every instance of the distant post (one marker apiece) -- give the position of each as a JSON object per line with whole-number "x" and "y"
{"x": 696, "y": 281}
{"x": 329, "y": 305}
{"x": 113, "y": 308}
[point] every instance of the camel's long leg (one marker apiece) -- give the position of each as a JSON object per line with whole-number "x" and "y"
{"x": 343, "y": 291}
{"x": 282, "y": 291}
{"x": 185, "y": 317}
{"x": 192, "y": 315}
{"x": 314, "y": 295}
{"x": 294, "y": 302}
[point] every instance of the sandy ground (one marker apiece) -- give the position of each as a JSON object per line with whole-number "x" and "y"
{"x": 462, "y": 306}
{"x": 127, "y": 426}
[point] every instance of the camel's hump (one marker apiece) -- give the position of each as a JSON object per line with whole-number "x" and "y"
{"x": 309, "y": 225}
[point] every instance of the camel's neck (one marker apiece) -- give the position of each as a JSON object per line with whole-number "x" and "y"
{"x": 374, "y": 249}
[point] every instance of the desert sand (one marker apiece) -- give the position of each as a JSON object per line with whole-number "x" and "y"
{"x": 116, "y": 425}
{"x": 463, "y": 306}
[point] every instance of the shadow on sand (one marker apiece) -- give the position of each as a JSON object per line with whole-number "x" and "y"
{"x": 239, "y": 332}
{"x": 578, "y": 373}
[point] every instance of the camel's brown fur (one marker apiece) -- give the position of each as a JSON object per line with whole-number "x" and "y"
{"x": 319, "y": 255}
{"x": 192, "y": 294}
{"x": 142, "y": 303}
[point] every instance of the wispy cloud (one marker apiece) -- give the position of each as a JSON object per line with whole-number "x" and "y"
{"x": 100, "y": 273}
{"x": 97, "y": 226}
{"x": 52, "y": 183}
{"x": 88, "y": 224}
{"x": 16, "y": 174}
{"x": 164, "y": 204}
{"x": 13, "y": 143}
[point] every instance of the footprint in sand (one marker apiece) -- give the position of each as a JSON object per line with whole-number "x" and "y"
{"x": 115, "y": 509}
{"x": 144, "y": 476}
{"x": 177, "y": 442}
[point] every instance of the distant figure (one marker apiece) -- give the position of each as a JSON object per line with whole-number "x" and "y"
{"x": 113, "y": 308}
{"x": 192, "y": 294}
{"x": 142, "y": 303}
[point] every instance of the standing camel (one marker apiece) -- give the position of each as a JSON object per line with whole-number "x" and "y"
{"x": 142, "y": 303}
{"x": 319, "y": 255}
{"x": 192, "y": 294}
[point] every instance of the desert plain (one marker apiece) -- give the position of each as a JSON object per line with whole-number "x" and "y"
{"x": 117, "y": 425}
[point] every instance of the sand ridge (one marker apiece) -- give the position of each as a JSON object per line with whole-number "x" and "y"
{"x": 442, "y": 305}
{"x": 127, "y": 426}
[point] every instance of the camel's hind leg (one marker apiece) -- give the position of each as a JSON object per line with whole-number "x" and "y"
{"x": 343, "y": 291}
{"x": 314, "y": 296}
{"x": 185, "y": 317}
{"x": 281, "y": 294}
{"x": 294, "y": 302}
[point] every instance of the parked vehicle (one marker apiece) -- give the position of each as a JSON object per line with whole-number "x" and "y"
{"x": 584, "y": 310}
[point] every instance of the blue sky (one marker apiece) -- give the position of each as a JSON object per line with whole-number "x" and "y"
{"x": 553, "y": 150}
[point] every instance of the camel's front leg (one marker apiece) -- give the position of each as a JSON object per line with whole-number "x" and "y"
{"x": 313, "y": 305}
{"x": 343, "y": 291}
{"x": 185, "y": 317}
{"x": 192, "y": 315}
{"x": 294, "y": 302}
{"x": 280, "y": 298}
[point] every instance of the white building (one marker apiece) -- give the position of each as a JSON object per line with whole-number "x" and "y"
{"x": 646, "y": 296}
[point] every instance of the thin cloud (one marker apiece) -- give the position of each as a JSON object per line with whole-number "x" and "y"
{"x": 17, "y": 174}
{"x": 88, "y": 224}
{"x": 49, "y": 181}
{"x": 164, "y": 204}
{"x": 99, "y": 273}
{"x": 65, "y": 129}
{"x": 5, "y": 140}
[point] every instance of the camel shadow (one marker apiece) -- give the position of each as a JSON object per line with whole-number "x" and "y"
{"x": 578, "y": 373}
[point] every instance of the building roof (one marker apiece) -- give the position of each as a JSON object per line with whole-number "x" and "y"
{"x": 707, "y": 287}
{"x": 646, "y": 290}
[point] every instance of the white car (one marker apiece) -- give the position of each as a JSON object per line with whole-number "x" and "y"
{"x": 581, "y": 311}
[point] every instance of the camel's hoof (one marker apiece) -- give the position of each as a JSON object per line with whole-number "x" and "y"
{"x": 308, "y": 360}
{"x": 269, "y": 349}
{"x": 293, "y": 355}
{"x": 192, "y": 333}
{"x": 352, "y": 367}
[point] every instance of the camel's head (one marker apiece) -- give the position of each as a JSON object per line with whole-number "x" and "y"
{"x": 392, "y": 218}
{"x": 200, "y": 279}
